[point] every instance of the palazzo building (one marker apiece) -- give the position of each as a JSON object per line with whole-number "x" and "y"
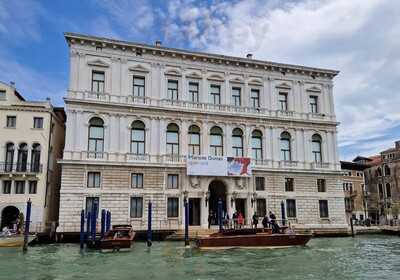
{"x": 31, "y": 141}
{"x": 136, "y": 112}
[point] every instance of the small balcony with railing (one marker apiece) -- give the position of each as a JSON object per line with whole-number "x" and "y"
{"x": 20, "y": 168}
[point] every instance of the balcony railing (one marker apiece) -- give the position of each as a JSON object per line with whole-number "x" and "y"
{"x": 287, "y": 163}
{"x": 10, "y": 168}
{"x": 318, "y": 165}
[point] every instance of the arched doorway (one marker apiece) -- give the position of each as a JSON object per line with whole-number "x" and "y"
{"x": 217, "y": 191}
{"x": 9, "y": 215}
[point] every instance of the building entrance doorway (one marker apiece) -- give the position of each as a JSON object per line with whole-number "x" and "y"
{"x": 194, "y": 211}
{"x": 240, "y": 204}
{"x": 9, "y": 216}
{"x": 217, "y": 191}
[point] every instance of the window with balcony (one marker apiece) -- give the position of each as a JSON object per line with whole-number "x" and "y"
{"x": 216, "y": 141}
{"x": 172, "y": 181}
{"x": 173, "y": 207}
{"x": 138, "y": 86}
{"x": 98, "y": 78}
{"x": 138, "y": 138}
{"x": 7, "y": 187}
{"x": 8, "y": 165}
{"x": 313, "y": 104}
{"x": 236, "y": 96}
{"x": 172, "y": 139}
{"x": 194, "y": 140}
{"x": 237, "y": 142}
{"x": 22, "y": 159}
{"x": 286, "y": 153}
{"x": 321, "y": 185}
{"x": 136, "y": 207}
{"x": 11, "y": 121}
{"x": 37, "y": 122}
{"x": 91, "y": 201}
{"x": 96, "y": 138}
{"x": 93, "y": 179}
{"x": 215, "y": 94}
{"x": 137, "y": 180}
{"x": 35, "y": 157}
{"x": 255, "y": 98}
{"x": 172, "y": 93}
{"x": 260, "y": 184}
{"x": 323, "y": 209}
{"x": 291, "y": 208}
{"x": 283, "y": 101}
{"x": 194, "y": 92}
{"x": 32, "y": 187}
{"x": 19, "y": 187}
{"x": 289, "y": 185}
{"x": 256, "y": 145}
{"x": 316, "y": 148}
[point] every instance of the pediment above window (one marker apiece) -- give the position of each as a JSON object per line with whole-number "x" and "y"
{"x": 173, "y": 72}
{"x": 216, "y": 77}
{"x": 193, "y": 75}
{"x": 314, "y": 89}
{"x": 98, "y": 63}
{"x": 284, "y": 85}
{"x": 237, "y": 80}
{"x": 255, "y": 81}
{"x": 139, "y": 68}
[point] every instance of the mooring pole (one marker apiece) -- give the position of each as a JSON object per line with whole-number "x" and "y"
{"x": 149, "y": 231}
{"x": 108, "y": 220}
{"x": 82, "y": 231}
{"x": 103, "y": 222}
{"x": 283, "y": 213}
{"x": 186, "y": 223}
{"x": 88, "y": 224}
{"x": 351, "y": 226}
{"x": 220, "y": 214}
{"x": 27, "y": 224}
{"x": 94, "y": 222}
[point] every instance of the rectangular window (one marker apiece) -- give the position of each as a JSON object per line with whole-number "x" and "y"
{"x": 32, "y": 187}
{"x": 2, "y": 94}
{"x": 236, "y": 96}
{"x": 173, "y": 207}
{"x": 172, "y": 181}
{"x": 11, "y": 121}
{"x": 138, "y": 86}
{"x": 314, "y": 104}
{"x": 261, "y": 207}
{"x": 37, "y": 122}
{"x": 215, "y": 94}
{"x": 93, "y": 179}
{"x": 289, "y": 185}
{"x": 283, "y": 102}
{"x": 260, "y": 184}
{"x": 321, "y": 184}
{"x": 6, "y": 187}
{"x": 137, "y": 181}
{"x": 291, "y": 208}
{"x": 388, "y": 191}
{"x": 323, "y": 209}
{"x": 98, "y": 78}
{"x": 172, "y": 93}
{"x": 255, "y": 98}
{"x": 19, "y": 187}
{"x": 194, "y": 92}
{"x": 90, "y": 202}
{"x": 136, "y": 207}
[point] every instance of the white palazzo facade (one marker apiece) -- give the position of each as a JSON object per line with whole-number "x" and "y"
{"x": 135, "y": 112}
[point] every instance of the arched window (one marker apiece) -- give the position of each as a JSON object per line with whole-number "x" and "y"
{"x": 96, "y": 138}
{"x": 172, "y": 139}
{"x": 316, "y": 148}
{"x": 138, "y": 138}
{"x": 379, "y": 172}
{"x": 387, "y": 170}
{"x": 194, "y": 140}
{"x": 216, "y": 141}
{"x": 237, "y": 142}
{"x": 9, "y": 157}
{"x": 388, "y": 191}
{"x": 286, "y": 152}
{"x": 22, "y": 157}
{"x": 256, "y": 145}
{"x": 35, "y": 158}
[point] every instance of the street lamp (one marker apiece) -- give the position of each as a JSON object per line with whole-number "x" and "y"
{"x": 185, "y": 195}
{"x": 207, "y": 197}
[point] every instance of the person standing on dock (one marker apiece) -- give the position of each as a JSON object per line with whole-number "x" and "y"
{"x": 240, "y": 220}
{"x": 255, "y": 220}
{"x": 235, "y": 220}
{"x": 265, "y": 222}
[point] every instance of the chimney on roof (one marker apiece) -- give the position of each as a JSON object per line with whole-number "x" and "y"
{"x": 158, "y": 43}
{"x": 249, "y": 55}
{"x": 397, "y": 144}
{"x": 12, "y": 84}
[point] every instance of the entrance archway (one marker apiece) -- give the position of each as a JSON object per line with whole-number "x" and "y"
{"x": 217, "y": 191}
{"x": 9, "y": 215}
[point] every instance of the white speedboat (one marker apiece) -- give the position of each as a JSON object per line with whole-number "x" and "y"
{"x": 14, "y": 240}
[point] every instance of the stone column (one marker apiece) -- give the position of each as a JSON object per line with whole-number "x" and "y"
{"x": 163, "y": 135}
{"x": 227, "y": 140}
{"x": 184, "y": 138}
{"x": 205, "y": 136}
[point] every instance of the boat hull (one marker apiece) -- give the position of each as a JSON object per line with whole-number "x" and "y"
{"x": 253, "y": 241}
{"x": 15, "y": 241}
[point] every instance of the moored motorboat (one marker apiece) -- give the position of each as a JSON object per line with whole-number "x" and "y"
{"x": 119, "y": 237}
{"x": 252, "y": 238}
{"x": 14, "y": 240}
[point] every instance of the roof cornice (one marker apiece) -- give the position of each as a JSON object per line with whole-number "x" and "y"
{"x": 74, "y": 38}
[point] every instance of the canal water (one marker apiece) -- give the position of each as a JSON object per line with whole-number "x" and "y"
{"x": 364, "y": 257}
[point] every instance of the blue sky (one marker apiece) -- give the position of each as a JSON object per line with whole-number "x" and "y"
{"x": 359, "y": 37}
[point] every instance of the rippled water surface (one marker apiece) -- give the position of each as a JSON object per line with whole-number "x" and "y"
{"x": 366, "y": 257}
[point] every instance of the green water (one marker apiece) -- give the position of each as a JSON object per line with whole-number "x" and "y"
{"x": 366, "y": 257}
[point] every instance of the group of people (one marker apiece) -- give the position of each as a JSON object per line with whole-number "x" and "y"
{"x": 238, "y": 221}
